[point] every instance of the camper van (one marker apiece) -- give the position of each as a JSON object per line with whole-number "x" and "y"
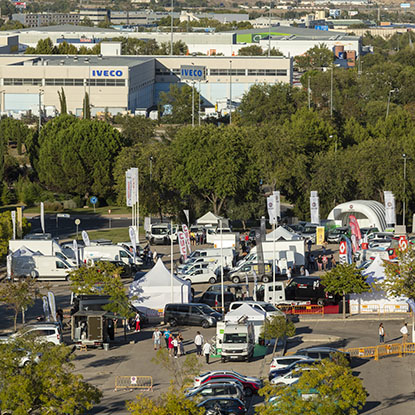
{"x": 160, "y": 233}
{"x": 110, "y": 253}
{"x": 43, "y": 267}
{"x": 236, "y": 340}
{"x": 229, "y": 255}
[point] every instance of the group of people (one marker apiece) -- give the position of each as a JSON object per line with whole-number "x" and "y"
{"x": 175, "y": 344}
{"x": 198, "y": 238}
{"x": 404, "y": 331}
{"x": 322, "y": 262}
{"x": 149, "y": 257}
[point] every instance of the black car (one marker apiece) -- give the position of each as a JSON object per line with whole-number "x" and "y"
{"x": 225, "y": 406}
{"x": 191, "y": 314}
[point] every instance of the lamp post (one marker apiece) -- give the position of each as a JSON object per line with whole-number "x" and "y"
{"x": 331, "y": 92}
{"x": 269, "y": 30}
{"x": 41, "y": 91}
{"x": 230, "y": 91}
{"x": 222, "y": 290}
{"x": 171, "y": 34}
{"x": 391, "y": 91}
{"x": 404, "y": 156}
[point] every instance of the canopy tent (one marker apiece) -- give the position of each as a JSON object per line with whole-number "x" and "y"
{"x": 377, "y": 300}
{"x": 281, "y": 233}
{"x": 153, "y": 290}
{"x": 369, "y": 213}
{"x": 245, "y": 310}
{"x": 210, "y": 219}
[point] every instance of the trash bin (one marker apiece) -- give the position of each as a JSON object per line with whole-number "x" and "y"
{"x": 106, "y": 346}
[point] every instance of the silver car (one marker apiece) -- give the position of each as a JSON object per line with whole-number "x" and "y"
{"x": 217, "y": 390}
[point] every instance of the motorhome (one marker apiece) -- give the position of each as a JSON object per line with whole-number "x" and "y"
{"x": 229, "y": 255}
{"x": 111, "y": 253}
{"x": 235, "y": 340}
{"x": 299, "y": 291}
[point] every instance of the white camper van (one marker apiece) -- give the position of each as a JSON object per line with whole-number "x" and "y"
{"x": 160, "y": 233}
{"x": 49, "y": 267}
{"x": 110, "y": 253}
{"x": 228, "y": 255}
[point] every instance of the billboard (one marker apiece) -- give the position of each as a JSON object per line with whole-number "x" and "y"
{"x": 193, "y": 73}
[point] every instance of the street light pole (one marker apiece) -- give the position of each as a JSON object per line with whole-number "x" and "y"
{"x": 230, "y": 91}
{"x": 40, "y": 109}
{"x": 171, "y": 34}
{"x": 331, "y": 92}
{"x": 193, "y": 104}
{"x": 269, "y": 30}
{"x": 404, "y": 188}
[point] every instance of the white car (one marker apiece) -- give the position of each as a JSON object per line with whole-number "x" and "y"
{"x": 45, "y": 332}
{"x": 291, "y": 377}
{"x": 267, "y": 308}
{"x": 204, "y": 275}
{"x": 284, "y": 361}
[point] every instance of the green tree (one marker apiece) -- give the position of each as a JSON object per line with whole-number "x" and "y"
{"x": 77, "y": 156}
{"x": 49, "y": 386}
{"x": 18, "y": 295}
{"x": 176, "y": 104}
{"x": 200, "y": 171}
{"x": 104, "y": 23}
{"x": 7, "y": 195}
{"x": 86, "y": 21}
{"x": 334, "y": 388}
{"x": 316, "y": 57}
{"x": 16, "y": 131}
{"x": 85, "y": 280}
{"x": 86, "y": 112}
{"x": 344, "y": 279}
{"x": 277, "y": 327}
{"x": 253, "y": 50}
{"x": 179, "y": 48}
{"x": 171, "y": 402}
{"x": 137, "y": 130}
{"x": 62, "y": 101}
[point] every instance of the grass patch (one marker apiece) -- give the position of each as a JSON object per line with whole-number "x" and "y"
{"x": 115, "y": 235}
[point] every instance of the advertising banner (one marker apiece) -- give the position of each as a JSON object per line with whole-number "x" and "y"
{"x": 187, "y": 235}
{"x": 314, "y": 207}
{"x": 272, "y": 209}
{"x": 133, "y": 239}
{"x": 129, "y": 188}
{"x": 343, "y": 252}
{"x": 390, "y": 213}
{"x": 319, "y": 235}
{"x": 85, "y": 238}
{"x": 356, "y": 235}
{"x": 42, "y": 216}
{"x": 75, "y": 249}
{"x": 14, "y": 223}
{"x": 182, "y": 244}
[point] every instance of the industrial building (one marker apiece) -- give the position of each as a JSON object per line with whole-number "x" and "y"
{"x": 291, "y": 41}
{"x": 118, "y": 84}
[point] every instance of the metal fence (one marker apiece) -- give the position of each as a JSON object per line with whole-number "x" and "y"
{"x": 378, "y": 308}
{"x": 392, "y": 349}
{"x": 144, "y": 383}
{"x": 302, "y": 309}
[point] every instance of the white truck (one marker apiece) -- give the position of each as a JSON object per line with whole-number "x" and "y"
{"x": 215, "y": 253}
{"x": 236, "y": 341}
{"x": 109, "y": 253}
{"x": 160, "y": 234}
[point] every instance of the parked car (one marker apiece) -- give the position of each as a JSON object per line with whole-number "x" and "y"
{"x": 203, "y": 275}
{"x": 196, "y": 314}
{"x": 214, "y": 299}
{"x": 217, "y": 390}
{"x": 291, "y": 377}
{"x": 45, "y": 332}
{"x": 280, "y": 372}
{"x": 267, "y": 308}
{"x": 309, "y": 232}
{"x": 285, "y": 361}
{"x": 225, "y": 406}
{"x": 336, "y": 235}
{"x": 320, "y": 353}
{"x": 247, "y": 271}
{"x": 368, "y": 231}
{"x": 251, "y": 384}
{"x": 380, "y": 235}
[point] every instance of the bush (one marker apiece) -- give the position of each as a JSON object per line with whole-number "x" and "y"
{"x": 7, "y": 195}
{"x": 29, "y": 193}
{"x": 53, "y": 206}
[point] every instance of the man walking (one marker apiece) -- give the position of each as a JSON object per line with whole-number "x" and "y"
{"x": 404, "y": 332}
{"x": 166, "y": 337}
{"x": 156, "y": 339}
{"x": 206, "y": 351}
{"x": 198, "y": 343}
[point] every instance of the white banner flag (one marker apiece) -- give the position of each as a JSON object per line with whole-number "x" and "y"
{"x": 46, "y": 308}
{"x": 85, "y": 238}
{"x": 187, "y": 235}
{"x": 9, "y": 266}
{"x": 129, "y": 188}
{"x": 131, "y": 231}
{"x": 14, "y": 223}
{"x": 272, "y": 209}
{"x": 314, "y": 207}
{"x": 390, "y": 213}
{"x": 182, "y": 244}
{"x": 186, "y": 212}
{"x": 134, "y": 184}
{"x": 42, "y": 216}
{"x": 277, "y": 200}
{"x": 52, "y": 305}
{"x": 75, "y": 250}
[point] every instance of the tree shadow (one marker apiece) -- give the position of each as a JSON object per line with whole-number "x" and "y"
{"x": 108, "y": 361}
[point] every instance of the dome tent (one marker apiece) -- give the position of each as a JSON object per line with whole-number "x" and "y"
{"x": 153, "y": 290}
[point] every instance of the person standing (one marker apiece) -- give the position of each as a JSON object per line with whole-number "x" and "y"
{"x": 166, "y": 337}
{"x": 155, "y": 256}
{"x": 59, "y": 318}
{"x": 289, "y": 273}
{"x": 381, "y": 333}
{"x": 156, "y": 339}
{"x": 309, "y": 244}
{"x": 324, "y": 260}
{"x": 206, "y": 351}
{"x": 404, "y": 332}
{"x": 198, "y": 343}
{"x": 170, "y": 340}
{"x": 137, "y": 322}
{"x": 181, "y": 345}
{"x": 175, "y": 345}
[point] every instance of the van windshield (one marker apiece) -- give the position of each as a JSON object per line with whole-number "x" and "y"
{"x": 235, "y": 338}
{"x": 310, "y": 229}
{"x": 159, "y": 231}
{"x": 205, "y": 309}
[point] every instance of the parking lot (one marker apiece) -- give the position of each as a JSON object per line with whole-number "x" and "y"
{"x": 390, "y": 381}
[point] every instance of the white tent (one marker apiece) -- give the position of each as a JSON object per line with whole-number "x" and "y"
{"x": 377, "y": 300}
{"x": 245, "y": 310}
{"x": 153, "y": 290}
{"x": 210, "y": 219}
{"x": 281, "y": 233}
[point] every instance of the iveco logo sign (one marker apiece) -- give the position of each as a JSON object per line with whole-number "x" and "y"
{"x": 106, "y": 72}
{"x": 191, "y": 72}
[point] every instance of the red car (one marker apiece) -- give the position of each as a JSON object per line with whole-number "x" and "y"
{"x": 251, "y": 385}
